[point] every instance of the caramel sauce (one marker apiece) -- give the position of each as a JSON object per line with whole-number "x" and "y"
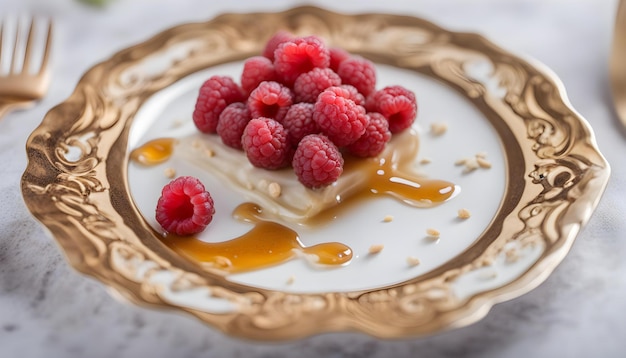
{"x": 266, "y": 244}
{"x": 154, "y": 152}
{"x": 269, "y": 243}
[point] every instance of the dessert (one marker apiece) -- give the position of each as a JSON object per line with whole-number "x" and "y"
{"x": 306, "y": 132}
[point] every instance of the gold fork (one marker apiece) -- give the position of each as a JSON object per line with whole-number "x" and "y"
{"x": 23, "y": 84}
{"x": 618, "y": 62}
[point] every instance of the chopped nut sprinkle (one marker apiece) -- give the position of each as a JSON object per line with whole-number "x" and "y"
{"x": 274, "y": 189}
{"x": 511, "y": 255}
{"x": 291, "y": 280}
{"x": 464, "y": 213}
{"x": 426, "y": 161}
{"x": 483, "y": 163}
{"x": 478, "y": 161}
{"x": 433, "y": 233}
{"x": 438, "y": 128}
{"x": 412, "y": 261}
{"x": 209, "y": 152}
{"x": 374, "y": 249}
{"x": 170, "y": 173}
{"x": 388, "y": 218}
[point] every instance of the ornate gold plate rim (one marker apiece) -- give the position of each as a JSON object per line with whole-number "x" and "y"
{"x": 556, "y": 176}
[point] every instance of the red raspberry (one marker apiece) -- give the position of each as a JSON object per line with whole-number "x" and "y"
{"x": 270, "y": 100}
{"x": 298, "y": 56}
{"x": 337, "y": 55}
{"x": 231, "y": 124}
{"x": 256, "y": 70}
{"x": 360, "y": 73}
{"x": 265, "y": 143}
{"x": 373, "y": 141}
{"x": 185, "y": 207}
{"x": 215, "y": 94}
{"x": 339, "y": 117}
{"x": 397, "y": 104}
{"x": 317, "y": 161}
{"x": 309, "y": 85}
{"x": 299, "y": 122}
{"x": 354, "y": 94}
{"x": 277, "y": 39}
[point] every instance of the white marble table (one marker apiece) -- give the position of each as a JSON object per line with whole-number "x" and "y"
{"x": 47, "y": 309}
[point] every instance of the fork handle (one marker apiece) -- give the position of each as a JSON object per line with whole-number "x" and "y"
{"x": 7, "y": 106}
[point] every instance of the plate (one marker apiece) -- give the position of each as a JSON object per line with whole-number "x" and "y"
{"x": 540, "y": 180}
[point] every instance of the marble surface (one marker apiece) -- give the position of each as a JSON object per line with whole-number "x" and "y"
{"x": 47, "y": 309}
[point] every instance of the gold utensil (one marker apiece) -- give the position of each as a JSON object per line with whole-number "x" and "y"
{"x": 22, "y": 82}
{"x": 618, "y": 63}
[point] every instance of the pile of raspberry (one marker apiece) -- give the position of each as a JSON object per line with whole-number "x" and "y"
{"x": 305, "y": 105}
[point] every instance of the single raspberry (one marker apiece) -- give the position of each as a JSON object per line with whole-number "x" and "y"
{"x": 309, "y": 85}
{"x": 274, "y": 41}
{"x": 231, "y": 124}
{"x": 354, "y": 94}
{"x": 397, "y": 104}
{"x": 337, "y": 55}
{"x": 298, "y": 56}
{"x": 256, "y": 70}
{"x": 299, "y": 122}
{"x": 185, "y": 207}
{"x": 359, "y": 72}
{"x": 373, "y": 141}
{"x": 342, "y": 120}
{"x": 265, "y": 143}
{"x": 215, "y": 94}
{"x": 317, "y": 162}
{"x": 270, "y": 100}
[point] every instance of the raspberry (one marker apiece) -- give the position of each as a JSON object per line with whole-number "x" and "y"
{"x": 231, "y": 124}
{"x": 299, "y": 122}
{"x": 397, "y": 104}
{"x": 354, "y": 94}
{"x": 337, "y": 55}
{"x": 373, "y": 141}
{"x": 309, "y": 85}
{"x": 317, "y": 161}
{"x": 360, "y": 73}
{"x": 270, "y": 100}
{"x": 185, "y": 207}
{"x": 215, "y": 94}
{"x": 298, "y": 56}
{"x": 256, "y": 70}
{"x": 274, "y": 41}
{"x": 338, "y": 117}
{"x": 265, "y": 143}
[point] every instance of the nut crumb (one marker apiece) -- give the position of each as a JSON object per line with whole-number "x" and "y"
{"x": 170, "y": 173}
{"x": 433, "y": 233}
{"x": 412, "y": 261}
{"x": 438, "y": 129}
{"x": 209, "y": 152}
{"x": 426, "y": 161}
{"x": 464, "y": 213}
{"x": 374, "y": 249}
{"x": 482, "y": 162}
{"x": 388, "y": 218}
{"x": 177, "y": 123}
{"x": 291, "y": 280}
{"x": 478, "y": 161}
{"x": 274, "y": 189}
{"x": 222, "y": 262}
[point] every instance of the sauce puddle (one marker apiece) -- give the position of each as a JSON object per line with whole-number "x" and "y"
{"x": 267, "y": 244}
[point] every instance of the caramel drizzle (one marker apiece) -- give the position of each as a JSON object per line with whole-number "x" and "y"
{"x": 266, "y": 244}
{"x": 269, "y": 243}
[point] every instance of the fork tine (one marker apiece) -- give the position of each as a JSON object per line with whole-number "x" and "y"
{"x": 15, "y": 47}
{"x": 29, "y": 45}
{"x": 46, "y": 51}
